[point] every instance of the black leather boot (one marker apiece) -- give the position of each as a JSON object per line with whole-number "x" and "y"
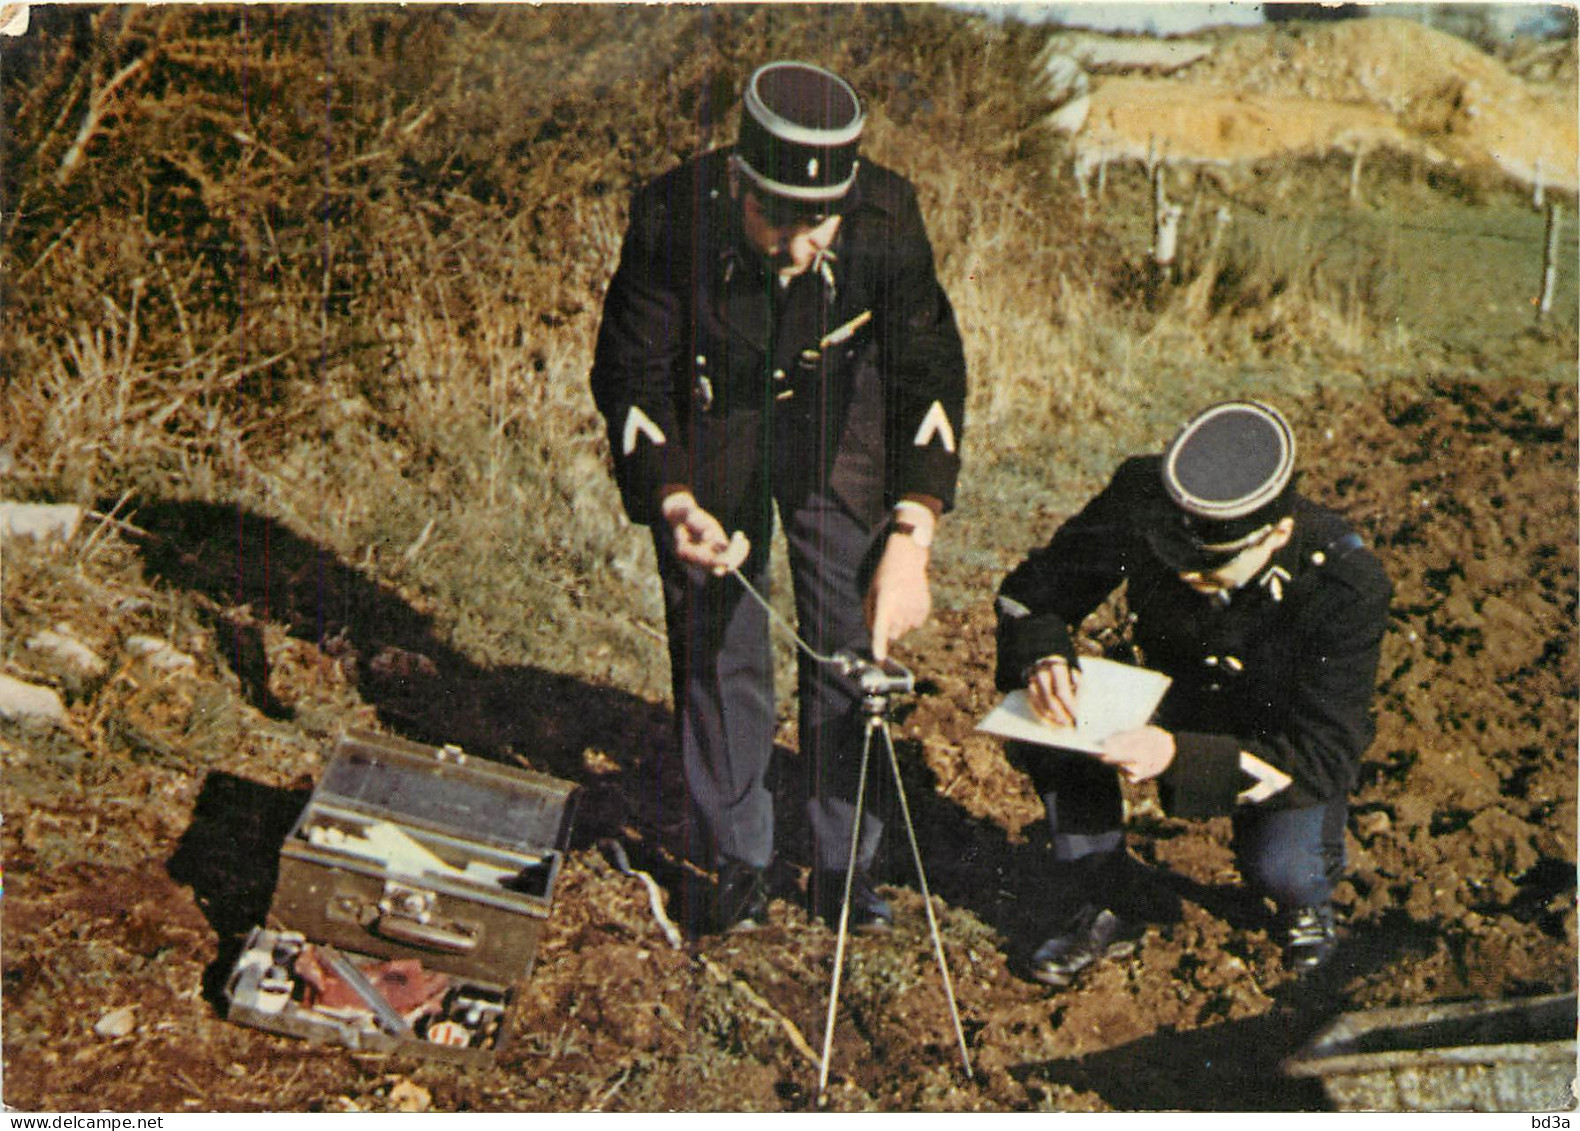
{"x": 1093, "y": 919}
{"x": 1310, "y": 938}
{"x": 741, "y": 900}
{"x": 1091, "y": 934}
{"x": 870, "y": 913}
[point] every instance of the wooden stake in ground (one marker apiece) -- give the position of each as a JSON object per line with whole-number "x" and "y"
{"x": 1166, "y": 218}
{"x": 1544, "y": 305}
{"x": 1167, "y": 238}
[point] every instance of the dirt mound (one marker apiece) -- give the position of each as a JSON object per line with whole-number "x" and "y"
{"x": 1134, "y": 118}
{"x": 1349, "y": 86}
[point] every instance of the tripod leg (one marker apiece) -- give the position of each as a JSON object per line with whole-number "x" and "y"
{"x": 927, "y": 899}
{"x": 844, "y": 906}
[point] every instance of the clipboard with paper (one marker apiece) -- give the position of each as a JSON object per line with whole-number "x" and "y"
{"x": 1110, "y": 697}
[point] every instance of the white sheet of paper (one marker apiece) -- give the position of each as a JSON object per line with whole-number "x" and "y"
{"x": 403, "y": 855}
{"x": 1109, "y": 698}
{"x": 400, "y": 852}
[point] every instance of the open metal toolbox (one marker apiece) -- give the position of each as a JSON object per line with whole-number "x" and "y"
{"x": 415, "y": 874}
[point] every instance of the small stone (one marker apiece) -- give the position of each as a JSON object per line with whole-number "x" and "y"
{"x": 66, "y": 649}
{"x": 39, "y": 521}
{"x": 157, "y": 653}
{"x": 409, "y": 1096}
{"x": 401, "y": 664}
{"x": 116, "y": 1023}
{"x": 28, "y": 702}
{"x": 1373, "y": 823}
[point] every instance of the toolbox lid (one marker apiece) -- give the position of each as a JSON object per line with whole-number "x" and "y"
{"x": 446, "y": 789}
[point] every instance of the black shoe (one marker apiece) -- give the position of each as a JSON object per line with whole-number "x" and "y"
{"x": 1309, "y": 939}
{"x": 870, "y": 913}
{"x": 1090, "y": 935}
{"x": 740, "y": 902}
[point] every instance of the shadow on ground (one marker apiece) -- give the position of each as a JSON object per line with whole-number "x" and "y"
{"x": 1237, "y": 1065}
{"x": 1229, "y": 1067}
{"x": 249, "y": 570}
{"x": 230, "y": 857}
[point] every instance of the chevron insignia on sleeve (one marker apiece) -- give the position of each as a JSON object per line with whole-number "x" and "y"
{"x": 637, "y": 423}
{"x": 936, "y": 423}
{"x": 1268, "y": 779}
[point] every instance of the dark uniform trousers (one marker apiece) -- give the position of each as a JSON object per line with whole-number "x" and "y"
{"x": 721, "y": 660}
{"x": 1294, "y": 855}
{"x": 721, "y": 641}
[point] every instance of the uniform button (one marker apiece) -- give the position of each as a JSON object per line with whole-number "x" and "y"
{"x": 779, "y": 374}
{"x": 1233, "y": 664}
{"x": 1211, "y": 661}
{"x": 1318, "y": 557}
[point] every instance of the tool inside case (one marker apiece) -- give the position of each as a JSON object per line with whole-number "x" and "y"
{"x": 286, "y": 983}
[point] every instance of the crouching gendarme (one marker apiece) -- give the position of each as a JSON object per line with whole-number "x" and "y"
{"x": 1268, "y": 613}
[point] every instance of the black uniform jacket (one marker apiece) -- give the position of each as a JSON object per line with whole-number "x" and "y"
{"x": 1286, "y": 671}
{"x": 713, "y": 376}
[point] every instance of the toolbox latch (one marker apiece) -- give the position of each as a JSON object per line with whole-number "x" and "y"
{"x": 406, "y": 914}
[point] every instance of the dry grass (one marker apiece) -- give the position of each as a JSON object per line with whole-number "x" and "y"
{"x": 343, "y": 267}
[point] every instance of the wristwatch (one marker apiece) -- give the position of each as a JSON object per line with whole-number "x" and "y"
{"x": 922, "y": 536}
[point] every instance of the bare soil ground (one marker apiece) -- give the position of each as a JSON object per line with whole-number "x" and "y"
{"x": 139, "y": 840}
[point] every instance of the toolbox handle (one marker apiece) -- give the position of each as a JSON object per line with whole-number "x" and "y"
{"x": 429, "y": 935}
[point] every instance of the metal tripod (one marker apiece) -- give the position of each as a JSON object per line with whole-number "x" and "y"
{"x": 878, "y": 683}
{"x": 877, "y": 680}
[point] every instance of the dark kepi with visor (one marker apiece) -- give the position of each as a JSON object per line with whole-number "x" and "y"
{"x": 800, "y": 131}
{"x": 1229, "y": 475}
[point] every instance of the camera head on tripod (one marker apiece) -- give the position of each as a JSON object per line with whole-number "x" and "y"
{"x": 875, "y": 678}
